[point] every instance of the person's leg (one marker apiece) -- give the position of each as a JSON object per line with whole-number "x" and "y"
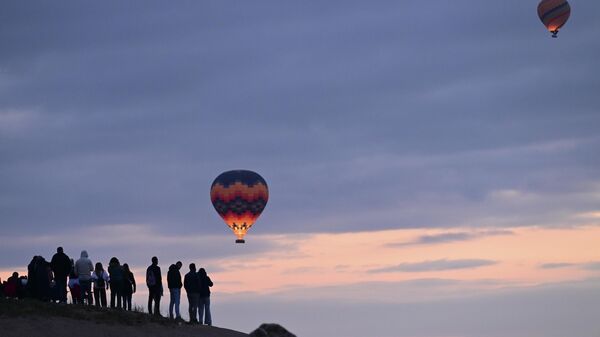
{"x": 97, "y": 296}
{"x": 128, "y": 301}
{"x": 150, "y": 298}
{"x": 196, "y": 308}
{"x": 171, "y": 301}
{"x": 113, "y": 294}
{"x": 119, "y": 295}
{"x": 90, "y": 295}
{"x": 207, "y": 316}
{"x": 103, "y": 297}
{"x": 82, "y": 294}
{"x": 192, "y": 308}
{"x": 157, "y": 303}
{"x": 61, "y": 286}
{"x": 201, "y": 310}
{"x": 88, "y": 290}
{"x": 177, "y": 302}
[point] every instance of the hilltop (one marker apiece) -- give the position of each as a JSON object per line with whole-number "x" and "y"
{"x": 34, "y": 318}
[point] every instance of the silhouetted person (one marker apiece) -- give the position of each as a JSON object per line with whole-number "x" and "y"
{"x": 100, "y": 279}
{"x": 191, "y": 283}
{"x": 61, "y": 267}
{"x": 12, "y": 285}
{"x": 31, "y": 277}
{"x": 174, "y": 284}
{"x": 83, "y": 270}
{"x": 128, "y": 286}
{"x": 155, "y": 288}
{"x": 40, "y": 276}
{"x": 116, "y": 282}
{"x": 204, "y": 301}
{"x": 74, "y": 286}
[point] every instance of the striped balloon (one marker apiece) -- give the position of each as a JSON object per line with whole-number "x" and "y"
{"x": 554, "y": 14}
{"x": 239, "y": 197}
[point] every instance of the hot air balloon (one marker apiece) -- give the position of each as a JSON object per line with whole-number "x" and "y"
{"x": 554, "y": 14}
{"x": 239, "y": 197}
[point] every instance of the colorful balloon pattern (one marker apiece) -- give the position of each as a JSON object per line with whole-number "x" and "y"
{"x": 554, "y": 14}
{"x": 239, "y": 196}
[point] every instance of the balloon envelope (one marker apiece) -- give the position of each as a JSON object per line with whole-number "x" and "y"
{"x": 239, "y": 197}
{"x": 554, "y": 14}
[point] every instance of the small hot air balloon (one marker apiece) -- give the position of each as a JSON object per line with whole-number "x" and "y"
{"x": 239, "y": 197}
{"x": 554, "y": 14}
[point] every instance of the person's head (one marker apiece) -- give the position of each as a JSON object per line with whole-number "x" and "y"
{"x": 154, "y": 260}
{"x": 126, "y": 267}
{"x": 179, "y": 264}
{"x": 114, "y": 261}
{"x": 202, "y": 272}
{"x": 192, "y": 267}
{"x": 15, "y": 275}
{"x": 84, "y": 254}
{"x": 59, "y": 250}
{"x": 99, "y": 268}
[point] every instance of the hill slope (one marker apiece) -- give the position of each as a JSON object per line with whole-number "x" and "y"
{"x": 33, "y": 318}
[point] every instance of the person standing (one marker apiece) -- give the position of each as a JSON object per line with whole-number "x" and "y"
{"x": 116, "y": 282}
{"x": 204, "y": 300}
{"x": 174, "y": 284}
{"x": 74, "y": 287}
{"x": 155, "y": 288}
{"x": 83, "y": 270}
{"x": 192, "y": 288}
{"x": 100, "y": 279}
{"x": 61, "y": 267}
{"x": 128, "y": 287}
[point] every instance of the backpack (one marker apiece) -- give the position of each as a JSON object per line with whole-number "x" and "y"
{"x": 100, "y": 281}
{"x": 150, "y": 279}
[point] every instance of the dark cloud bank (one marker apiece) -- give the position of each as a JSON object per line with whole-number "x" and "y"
{"x": 360, "y": 116}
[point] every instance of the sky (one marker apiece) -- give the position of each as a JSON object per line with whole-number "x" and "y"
{"x": 432, "y": 166}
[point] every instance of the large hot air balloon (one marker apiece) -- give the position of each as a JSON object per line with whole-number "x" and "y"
{"x": 554, "y": 14}
{"x": 239, "y": 197}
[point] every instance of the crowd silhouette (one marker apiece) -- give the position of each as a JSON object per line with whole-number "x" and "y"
{"x": 88, "y": 285}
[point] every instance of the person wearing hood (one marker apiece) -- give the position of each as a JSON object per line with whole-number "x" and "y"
{"x": 84, "y": 269}
{"x": 174, "y": 283}
{"x": 204, "y": 300}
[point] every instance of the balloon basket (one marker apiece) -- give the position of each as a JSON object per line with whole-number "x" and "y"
{"x": 240, "y": 241}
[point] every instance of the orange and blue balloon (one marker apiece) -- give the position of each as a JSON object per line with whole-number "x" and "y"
{"x": 554, "y": 14}
{"x": 239, "y": 196}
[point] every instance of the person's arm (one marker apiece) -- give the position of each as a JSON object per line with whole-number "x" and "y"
{"x": 133, "y": 281}
{"x": 210, "y": 284}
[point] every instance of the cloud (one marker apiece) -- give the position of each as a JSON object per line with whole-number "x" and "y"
{"x": 435, "y": 265}
{"x": 452, "y": 237}
{"x": 591, "y": 266}
{"x": 594, "y": 266}
{"x": 557, "y": 265}
{"x": 133, "y": 120}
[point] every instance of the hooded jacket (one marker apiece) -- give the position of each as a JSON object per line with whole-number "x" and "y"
{"x": 84, "y": 267}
